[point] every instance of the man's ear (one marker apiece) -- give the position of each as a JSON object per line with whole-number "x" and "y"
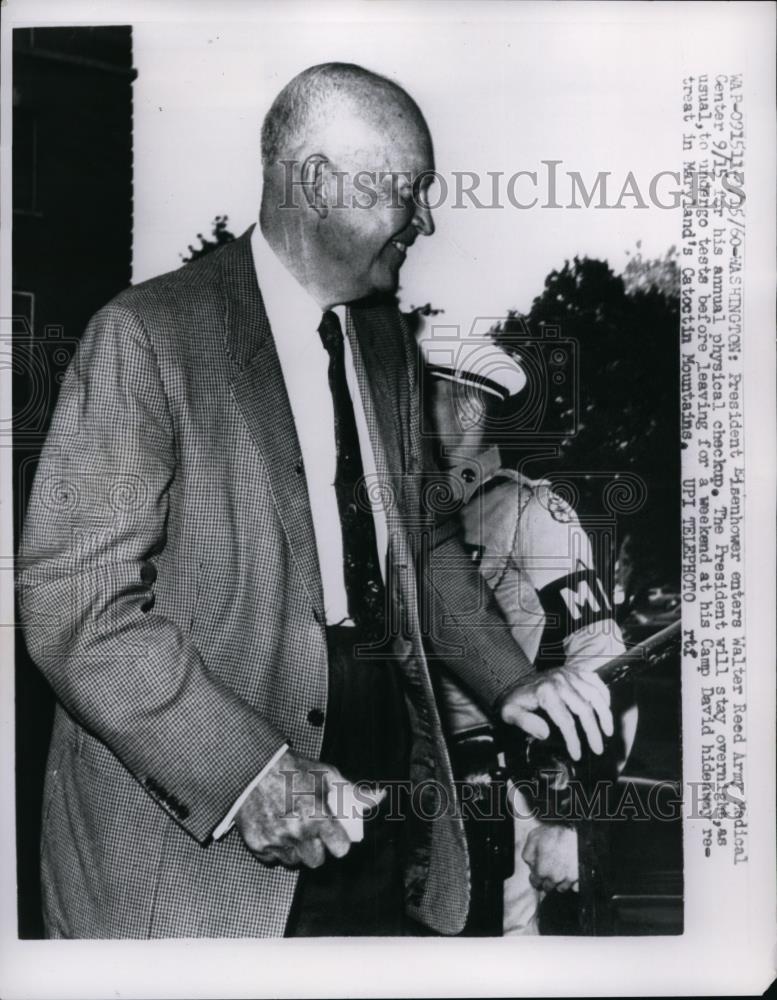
{"x": 313, "y": 177}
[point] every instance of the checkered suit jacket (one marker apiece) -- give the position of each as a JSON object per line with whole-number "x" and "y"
{"x": 170, "y": 592}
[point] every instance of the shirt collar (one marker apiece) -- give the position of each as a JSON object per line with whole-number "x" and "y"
{"x": 288, "y": 305}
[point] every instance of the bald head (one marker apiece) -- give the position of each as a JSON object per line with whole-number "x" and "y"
{"x": 336, "y": 106}
{"x": 347, "y": 160}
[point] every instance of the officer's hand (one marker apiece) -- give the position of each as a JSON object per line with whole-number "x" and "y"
{"x": 551, "y": 854}
{"x": 285, "y": 820}
{"x": 564, "y": 695}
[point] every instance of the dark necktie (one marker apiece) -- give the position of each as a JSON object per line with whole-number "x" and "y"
{"x": 361, "y": 565}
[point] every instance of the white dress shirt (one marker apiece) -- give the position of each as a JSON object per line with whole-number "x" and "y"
{"x": 294, "y": 320}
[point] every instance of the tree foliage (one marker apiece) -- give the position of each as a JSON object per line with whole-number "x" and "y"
{"x": 220, "y": 234}
{"x": 661, "y": 273}
{"x": 626, "y": 395}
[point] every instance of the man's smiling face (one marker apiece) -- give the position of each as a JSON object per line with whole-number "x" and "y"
{"x": 379, "y": 208}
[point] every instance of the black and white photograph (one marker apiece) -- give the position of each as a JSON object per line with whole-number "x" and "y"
{"x": 388, "y": 489}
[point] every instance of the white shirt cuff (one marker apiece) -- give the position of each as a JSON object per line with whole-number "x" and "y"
{"x": 229, "y": 820}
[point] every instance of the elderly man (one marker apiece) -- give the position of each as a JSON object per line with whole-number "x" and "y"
{"x": 230, "y": 628}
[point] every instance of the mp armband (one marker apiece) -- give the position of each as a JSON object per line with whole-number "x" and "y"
{"x": 572, "y": 602}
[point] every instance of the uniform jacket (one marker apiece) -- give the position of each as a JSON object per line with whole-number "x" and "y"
{"x": 170, "y": 592}
{"x": 528, "y": 538}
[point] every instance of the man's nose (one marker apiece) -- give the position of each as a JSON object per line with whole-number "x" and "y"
{"x": 423, "y": 220}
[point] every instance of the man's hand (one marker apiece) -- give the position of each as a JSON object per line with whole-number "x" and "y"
{"x": 551, "y": 854}
{"x": 564, "y": 695}
{"x": 285, "y": 820}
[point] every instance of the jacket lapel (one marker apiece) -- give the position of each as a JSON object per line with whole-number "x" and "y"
{"x": 375, "y": 342}
{"x": 260, "y": 393}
